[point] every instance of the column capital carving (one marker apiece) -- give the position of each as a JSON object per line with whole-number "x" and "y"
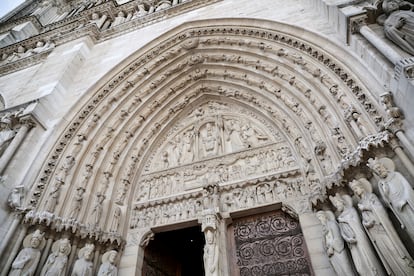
{"x": 297, "y": 207}
{"x": 146, "y": 238}
{"x": 356, "y": 22}
{"x": 28, "y": 121}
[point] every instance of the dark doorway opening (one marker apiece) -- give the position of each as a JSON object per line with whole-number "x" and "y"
{"x": 175, "y": 253}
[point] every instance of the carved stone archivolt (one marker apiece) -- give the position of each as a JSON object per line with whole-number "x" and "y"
{"x": 246, "y": 115}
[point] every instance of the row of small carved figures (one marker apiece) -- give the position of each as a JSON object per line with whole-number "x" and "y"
{"x": 102, "y": 23}
{"x": 27, "y": 261}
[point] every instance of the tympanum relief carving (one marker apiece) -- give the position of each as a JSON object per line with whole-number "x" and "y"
{"x": 211, "y": 130}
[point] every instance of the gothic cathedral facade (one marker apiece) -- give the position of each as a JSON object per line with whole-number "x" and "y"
{"x": 274, "y": 137}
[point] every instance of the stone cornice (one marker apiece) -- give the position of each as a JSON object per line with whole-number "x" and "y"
{"x": 76, "y": 26}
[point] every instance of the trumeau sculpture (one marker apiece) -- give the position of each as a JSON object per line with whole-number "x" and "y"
{"x": 396, "y": 192}
{"x": 334, "y": 244}
{"x": 390, "y": 248}
{"x": 28, "y": 258}
{"x": 363, "y": 256}
{"x": 57, "y": 262}
{"x": 211, "y": 247}
{"x": 108, "y": 267}
{"x": 84, "y": 265}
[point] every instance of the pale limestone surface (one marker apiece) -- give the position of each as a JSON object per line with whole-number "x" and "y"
{"x": 64, "y": 82}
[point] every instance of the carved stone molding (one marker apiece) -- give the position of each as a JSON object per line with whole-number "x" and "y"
{"x": 77, "y": 26}
{"x": 72, "y": 227}
{"x": 356, "y": 22}
{"x": 148, "y": 109}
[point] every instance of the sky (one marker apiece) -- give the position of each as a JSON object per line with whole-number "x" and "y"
{"x": 8, "y": 5}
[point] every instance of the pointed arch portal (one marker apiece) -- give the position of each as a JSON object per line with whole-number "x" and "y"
{"x": 228, "y": 115}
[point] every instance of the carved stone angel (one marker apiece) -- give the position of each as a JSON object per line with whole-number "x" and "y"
{"x": 363, "y": 255}
{"x": 395, "y": 191}
{"x": 334, "y": 244}
{"x": 390, "y": 248}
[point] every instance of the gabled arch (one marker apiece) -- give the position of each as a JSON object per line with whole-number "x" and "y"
{"x": 279, "y": 72}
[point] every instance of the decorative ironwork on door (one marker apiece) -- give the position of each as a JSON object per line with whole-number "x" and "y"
{"x": 270, "y": 244}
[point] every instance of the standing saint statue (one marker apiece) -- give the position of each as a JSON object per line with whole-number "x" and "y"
{"x": 390, "y": 248}
{"x": 108, "y": 267}
{"x": 334, "y": 244}
{"x": 395, "y": 191}
{"x": 29, "y": 257}
{"x": 97, "y": 209}
{"x": 211, "y": 253}
{"x": 77, "y": 203}
{"x": 84, "y": 265}
{"x": 363, "y": 255}
{"x": 57, "y": 262}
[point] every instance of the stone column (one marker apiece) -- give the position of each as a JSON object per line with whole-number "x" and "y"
{"x": 45, "y": 254}
{"x": 358, "y": 25}
{"x": 14, "y": 251}
{"x": 133, "y": 255}
{"x": 10, "y": 233}
{"x": 407, "y": 145}
{"x": 15, "y": 143}
{"x": 73, "y": 255}
{"x": 97, "y": 260}
{"x": 312, "y": 234}
{"x": 403, "y": 157}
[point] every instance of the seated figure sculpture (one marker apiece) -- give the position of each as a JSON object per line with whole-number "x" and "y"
{"x": 399, "y": 23}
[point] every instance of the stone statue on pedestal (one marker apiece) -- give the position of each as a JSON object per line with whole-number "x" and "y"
{"x": 57, "y": 262}
{"x": 108, "y": 267}
{"x": 211, "y": 253}
{"x": 334, "y": 244}
{"x": 211, "y": 248}
{"x": 84, "y": 265}
{"x": 391, "y": 250}
{"x": 396, "y": 192}
{"x": 364, "y": 257}
{"x": 28, "y": 258}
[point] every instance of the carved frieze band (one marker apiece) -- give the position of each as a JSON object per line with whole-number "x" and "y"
{"x": 233, "y": 197}
{"x": 108, "y": 25}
